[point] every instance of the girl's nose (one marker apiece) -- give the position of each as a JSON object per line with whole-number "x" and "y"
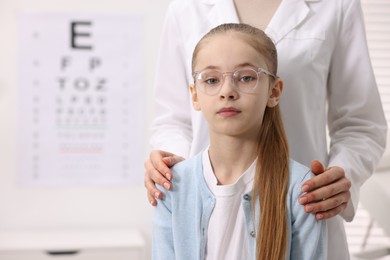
{"x": 228, "y": 91}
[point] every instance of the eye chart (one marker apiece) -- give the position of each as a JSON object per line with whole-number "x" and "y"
{"x": 80, "y": 99}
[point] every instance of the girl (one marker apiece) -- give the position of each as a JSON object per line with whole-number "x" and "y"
{"x": 238, "y": 198}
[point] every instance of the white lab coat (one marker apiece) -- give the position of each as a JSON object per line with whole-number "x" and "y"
{"x": 328, "y": 78}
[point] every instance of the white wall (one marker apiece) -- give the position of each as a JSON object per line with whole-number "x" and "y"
{"x": 47, "y": 208}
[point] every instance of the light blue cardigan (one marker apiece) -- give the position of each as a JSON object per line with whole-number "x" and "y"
{"x": 181, "y": 218}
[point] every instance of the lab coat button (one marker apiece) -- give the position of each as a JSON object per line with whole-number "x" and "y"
{"x": 253, "y": 234}
{"x": 247, "y": 197}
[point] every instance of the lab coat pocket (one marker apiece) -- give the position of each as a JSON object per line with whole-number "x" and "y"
{"x": 307, "y": 45}
{"x": 305, "y": 64}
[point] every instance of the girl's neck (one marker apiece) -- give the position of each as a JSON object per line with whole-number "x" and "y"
{"x": 230, "y": 157}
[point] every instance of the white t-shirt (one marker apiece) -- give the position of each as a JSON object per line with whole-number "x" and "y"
{"x": 227, "y": 236}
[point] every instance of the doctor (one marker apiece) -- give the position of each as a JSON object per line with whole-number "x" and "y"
{"x": 324, "y": 61}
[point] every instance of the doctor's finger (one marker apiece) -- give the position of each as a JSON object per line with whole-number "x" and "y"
{"x": 331, "y": 213}
{"x": 152, "y": 192}
{"x": 317, "y": 167}
{"x": 160, "y": 161}
{"x": 328, "y": 204}
{"x": 152, "y": 200}
{"x": 172, "y": 160}
{"x": 153, "y": 176}
{"x": 321, "y": 180}
{"x": 333, "y": 189}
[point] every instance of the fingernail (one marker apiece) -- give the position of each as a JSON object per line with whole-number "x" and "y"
{"x": 152, "y": 203}
{"x": 302, "y": 200}
{"x": 167, "y": 186}
{"x": 305, "y": 188}
{"x": 168, "y": 175}
{"x": 308, "y": 208}
{"x": 319, "y": 216}
{"x": 156, "y": 194}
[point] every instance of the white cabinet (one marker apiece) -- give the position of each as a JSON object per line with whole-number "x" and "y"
{"x": 72, "y": 245}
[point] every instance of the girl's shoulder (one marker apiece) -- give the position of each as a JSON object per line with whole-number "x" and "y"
{"x": 191, "y": 164}
{"x": 188, "y": 173}
{"x": 188, "y": 179}
{"x": 299, "y": 173}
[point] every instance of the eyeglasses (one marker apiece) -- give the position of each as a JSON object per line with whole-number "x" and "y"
{"x": 210, "y": 81}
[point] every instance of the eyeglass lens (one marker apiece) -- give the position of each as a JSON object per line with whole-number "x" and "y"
{"x": 244, "y": 80}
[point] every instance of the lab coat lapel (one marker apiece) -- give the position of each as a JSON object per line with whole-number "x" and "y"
{"x": 222, "y": 11}
{"x": 288, "y": 16}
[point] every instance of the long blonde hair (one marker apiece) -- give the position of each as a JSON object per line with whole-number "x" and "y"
{"x": 272, "y": 169}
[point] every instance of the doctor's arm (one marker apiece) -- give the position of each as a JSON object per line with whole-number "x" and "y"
{"x": 171, "y": 129}
{"x": 357, "y": 125}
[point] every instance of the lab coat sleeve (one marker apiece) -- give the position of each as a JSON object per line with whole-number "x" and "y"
{"x": 309, "y": 236}
{"x": 171, "y": 128}
{"x": 162, "y": 239}
{"x": 356, "y": 120}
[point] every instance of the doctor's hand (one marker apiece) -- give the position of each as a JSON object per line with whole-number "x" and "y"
{"x": 157, "y": 171}
{"x": 327, "y": 194}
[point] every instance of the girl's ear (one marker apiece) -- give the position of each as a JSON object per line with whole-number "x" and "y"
{"x": 275, "y": 93}
{"x": 194, "y": 97}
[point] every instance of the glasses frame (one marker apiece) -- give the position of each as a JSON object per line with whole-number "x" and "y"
{"x": 197, "y": 74}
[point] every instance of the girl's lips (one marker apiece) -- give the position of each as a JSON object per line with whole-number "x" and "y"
{"x": 228, "y": 111}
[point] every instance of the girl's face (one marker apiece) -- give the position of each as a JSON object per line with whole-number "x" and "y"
{"x": 231, "y": 112}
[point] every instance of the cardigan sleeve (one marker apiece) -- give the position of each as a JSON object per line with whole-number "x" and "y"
{"x": 162, "y": 234}
{"x": 308, "y": 235}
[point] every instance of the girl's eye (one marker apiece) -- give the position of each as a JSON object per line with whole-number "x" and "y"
{"x": 246, "y": 76}
{"x": 247, "y": 79}
{"x": 211, "y": 81}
